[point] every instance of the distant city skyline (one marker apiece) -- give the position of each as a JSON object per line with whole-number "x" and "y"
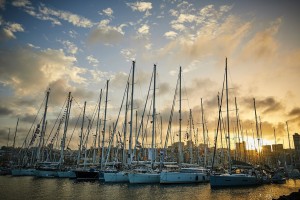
{"x": 76, "y": 46}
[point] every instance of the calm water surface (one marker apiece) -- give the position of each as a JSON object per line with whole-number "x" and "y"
{"x": 35, "y": 188}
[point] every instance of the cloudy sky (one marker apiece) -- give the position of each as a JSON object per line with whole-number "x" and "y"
{"x": 76, "y": 46}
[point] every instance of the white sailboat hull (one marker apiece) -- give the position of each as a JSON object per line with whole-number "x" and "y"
{"x": 23, "y": 172}
{"x": 116, "y": 177}
{"x": 183, "y": 177}
{"x": 233, "y": 180}
{"x": 144, "y": 177}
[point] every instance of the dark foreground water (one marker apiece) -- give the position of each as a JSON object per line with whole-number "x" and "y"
{"x": 35, "y": 188}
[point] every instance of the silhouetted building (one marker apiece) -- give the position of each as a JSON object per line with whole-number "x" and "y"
{"x": 296, "y": 138}
{"x": 266, "y": 150}
{"x": 277, "y": 147}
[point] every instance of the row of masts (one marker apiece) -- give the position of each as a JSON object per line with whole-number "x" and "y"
{"x": 131, "y": 150}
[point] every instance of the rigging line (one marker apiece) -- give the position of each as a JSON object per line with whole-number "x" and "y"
{"x": 33, "y": 123}
{"x": 169, "y": 130}
{"x": 142, "y": 118}
{"x": 56, "y": 121}
{"x": 91, "y": 121}
{"x": 77, "y": 103}
{"x": 219, "y": 123}
{"x": 115, "y": 125}
{"x": 148, "y": 116}
{"x": 74, "y": 129}
{"x": 230, "y": 78}
{"x": 139, "y": 85}
{"x": 186, "y": 94}
{"x": 159, "y": 93}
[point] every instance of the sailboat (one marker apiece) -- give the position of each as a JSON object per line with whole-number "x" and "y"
{"x": 63, "y": 172}
{"x": 22, "y": 170}
{"x": 114, "y": 175}
{"x": 232, "y": 178}
{"x": 85, "y": 174}
{"x": 26, "y": 168}
{"x": 148, "y": 174}
{"x": 45, "y": 169}
{"x": 191, "y": 174}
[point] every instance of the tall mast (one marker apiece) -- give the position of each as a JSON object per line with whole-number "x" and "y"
{"x": 81, "y": 133}
{"x": 104, "y": 125}
{"x": 257, "y": 134}
{"x": 63, "y": 141}
{"x": 85, "y": 144}
{"x": 41, "y": 143}
{"x": 238, "y": 129}
{"x": 161, "y": 128}
{"x": 260, "y": 128}
{"x": 180, "y": 146}
{"x": 204, "y": 138}
{"x": 131, "y": 113}
{"x": 153, "y": 118}
{"x": 275, "y": 141}
{"x": 287, "y": 128}
{"x": 125, "y": 125}
{"x": 97, "y": 136}
{"x": 8, "y": 137}
{"x": 191, "y": 138}
{"x": 16, "y": 133}
{"x": 227, "y": 107}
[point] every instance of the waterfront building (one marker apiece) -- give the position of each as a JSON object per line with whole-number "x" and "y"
{"x": 296, "y": 138}
{"x": 277, "y": 148}
{"x": 266, "y": 150}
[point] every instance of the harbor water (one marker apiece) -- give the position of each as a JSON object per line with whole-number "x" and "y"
{"x": 38, "y": 188}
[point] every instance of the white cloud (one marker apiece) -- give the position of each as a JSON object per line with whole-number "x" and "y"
{"x": 105, "y": 33}
{"x": 208, "y": 11}
{"x": 140, "y": 6}
{"x": 178, "y": 27}
{"x": 73, "y": 34}
{"x": 143, "y": 30}
{"x": 70, "y": 46}
{"x": 98, "y": 76}
{"x": 21, "y": 3}
{"x": 225, "y": 8}
{"x": 128, "y": 54}
{"x": 170, "y": 35}
{"x": 186, "y": 18}
{"x": 263, "y": 46}
{"x": 33, "y": 46}
{"x": 74, "y": 19}
{"x": 45, "y": 13}
{"x": 29, "y": 9}
{"x": 186, "y": 7}
{"x": 191, "y": 67}
{"x": 28, "y": 70}
{"x": 210, "y": 39}
{"x": 173, "y": 12}
{"x": 108, "y": 12}
{"x": 9, "y": 29}
{"x": 92, "y": 60}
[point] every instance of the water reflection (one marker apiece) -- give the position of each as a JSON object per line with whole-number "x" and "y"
{"x": 35, "y": 188}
